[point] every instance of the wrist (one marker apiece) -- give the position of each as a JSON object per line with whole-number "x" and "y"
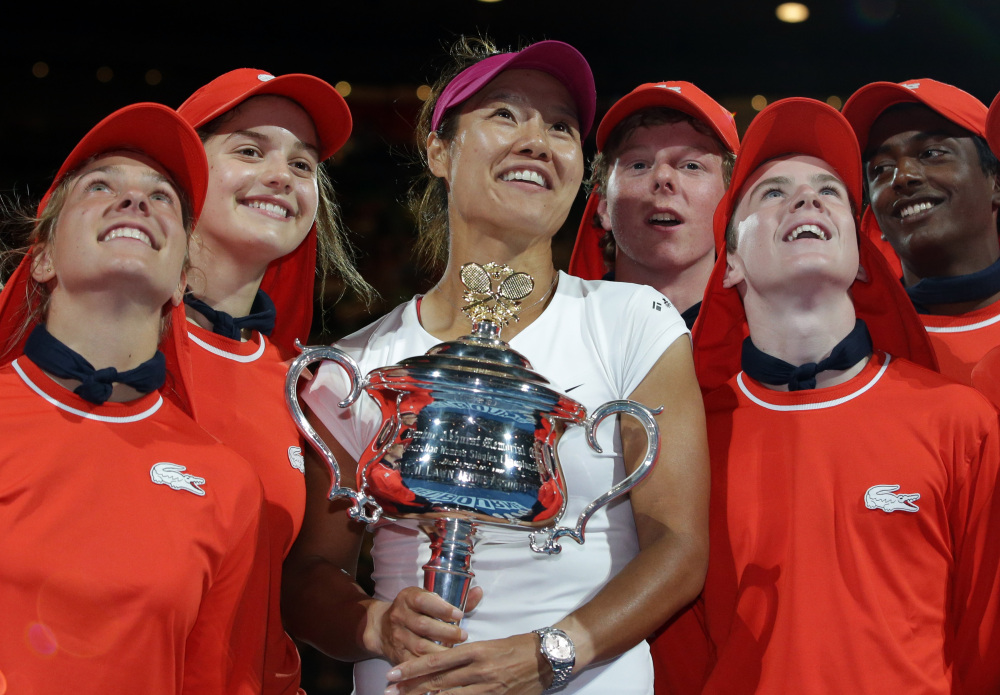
{"x": 557, "y": 649}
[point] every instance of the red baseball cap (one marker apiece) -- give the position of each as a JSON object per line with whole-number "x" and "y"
{"x": 682, "y": 96}
{"x": 321, "y": 101}
{"x": 556, "y": 58}
{"x": 156, "y": 131}
{"x": 993, "y": 125}
{"x": 587, "y": 260}
{"x": 800, "y": 126}
{"x": 865, "y": 106}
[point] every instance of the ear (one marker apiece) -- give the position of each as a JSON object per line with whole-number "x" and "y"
{"x": 602, "y": 212}
{"x": 438, "y": 156}
{"x": 734, "y": 272}
{"x": 862, "y": 275}
{"x": 995, "y": 194}
{"x": 178, "y": 296}
{"x": 42, "y": 269}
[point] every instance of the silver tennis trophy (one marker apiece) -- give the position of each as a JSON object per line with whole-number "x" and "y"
{"x": 468, "y": 438}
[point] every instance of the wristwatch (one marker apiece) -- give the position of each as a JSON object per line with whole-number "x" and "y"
{"x": 558, "y": 648}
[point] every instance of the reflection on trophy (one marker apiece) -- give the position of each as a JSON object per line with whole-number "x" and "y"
{"x": 468, "y": 438}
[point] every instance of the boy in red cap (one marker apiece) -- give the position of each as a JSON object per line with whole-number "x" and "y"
{"x": 934, "y": 191}
{"x": 853, "y": 520}
{"x": 665, "y": 154}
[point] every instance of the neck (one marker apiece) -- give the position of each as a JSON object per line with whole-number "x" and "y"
{"x": 222, "y": 283}
{"x": 440, "y": 310}
{"x": 801, "y": 329}
{"x": 684, "y": 287}
{"x": 107, "y": 332}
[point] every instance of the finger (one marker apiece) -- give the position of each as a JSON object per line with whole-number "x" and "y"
{"x": 423, "y": 601}
{"x": 475, "y": 596}
{"x": 429, "y": 665}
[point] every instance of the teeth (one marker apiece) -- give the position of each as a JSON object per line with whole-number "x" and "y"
{"x": 663, "y": 217}
{"x": 802, "y": 229}
{"x": 527, "y": 175}
{"x": 914, "y": 209}
{"x": 128, "y": 233}
{"x": 269, "y": 207}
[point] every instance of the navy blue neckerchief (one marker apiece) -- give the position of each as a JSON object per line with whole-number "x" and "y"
{"x": 261, "y": 316}
{"x": 766, "y": 369}
{"x": 52, "y": 356}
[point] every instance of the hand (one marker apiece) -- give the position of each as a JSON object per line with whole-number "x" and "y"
{"x": 418, "y": 622}
{"x": 512, "y": 666}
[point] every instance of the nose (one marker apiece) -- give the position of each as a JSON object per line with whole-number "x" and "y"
{"x": 663, "y": 177}
{"x": 534, "y": 140}
{"x": 276, "y": 173}
{"x": 133, "y": 200}
{"x": 807, "y": 198}
{"x": 907, "y": 174}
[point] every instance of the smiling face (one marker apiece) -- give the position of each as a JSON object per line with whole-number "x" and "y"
{"x": 662, "y": 191}
{"x": 121, "y": 225}
{"x": 794, "y": 229}
{"x": 262, "y": 190}
{"x": 930, "y": 195}
{"x": 515, "y": 163}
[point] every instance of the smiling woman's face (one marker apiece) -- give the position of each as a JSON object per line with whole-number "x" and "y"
{"x": 262, "y": 190}
{"x": 515, "y": 162}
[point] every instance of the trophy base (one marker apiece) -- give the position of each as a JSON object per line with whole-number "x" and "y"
{"x": 449, "y": 571}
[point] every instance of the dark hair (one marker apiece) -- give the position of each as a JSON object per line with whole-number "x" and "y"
{"x": 334, "y": 251}
{"x": 600, "y": 167}
{"x": 428, "y": 195}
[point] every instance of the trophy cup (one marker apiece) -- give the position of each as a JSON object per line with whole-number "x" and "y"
{"x": 468, "y": 438}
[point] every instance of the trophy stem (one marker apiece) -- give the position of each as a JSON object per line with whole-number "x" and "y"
{"x": 449, "y": 571}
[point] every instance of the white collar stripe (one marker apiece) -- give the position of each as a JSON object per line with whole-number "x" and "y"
{"x": 89, "y": 416}
{"x": 962, "y": 329}
{"x": 813, "y": 406}
{"x": 229, "y": 355}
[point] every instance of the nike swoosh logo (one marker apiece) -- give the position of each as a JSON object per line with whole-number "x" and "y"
{"x": 572, "y": 387}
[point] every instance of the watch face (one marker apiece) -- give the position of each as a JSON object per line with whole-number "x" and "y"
{"x": 558, "y": 647}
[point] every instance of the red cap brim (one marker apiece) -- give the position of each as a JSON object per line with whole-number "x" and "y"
{"x": 325, "y": 106}
{"x": 680, "y": 96}
{"x": 154, "y": 130}
{"x": 864, "y": 107}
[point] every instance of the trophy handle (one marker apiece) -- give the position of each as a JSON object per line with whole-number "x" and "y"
{"x": 364, "y": 508}
{"x": 550, "y": 544}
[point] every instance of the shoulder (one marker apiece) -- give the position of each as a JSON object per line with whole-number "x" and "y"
{"x": 388, "y": 327}
{"x": 618, "y": 301}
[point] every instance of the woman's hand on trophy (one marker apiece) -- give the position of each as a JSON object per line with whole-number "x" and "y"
{"x": 512, "y": 666}
{"x": 418, "y": 622}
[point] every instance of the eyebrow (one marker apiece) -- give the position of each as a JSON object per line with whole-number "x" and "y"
{"x": 685, "y": 148}
{"x": 922, "y": 135}
{"x": 263, "y": 137}
{"x": 117, "y": 170}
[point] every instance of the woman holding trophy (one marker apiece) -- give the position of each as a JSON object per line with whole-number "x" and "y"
{"x": 501, "y": 138}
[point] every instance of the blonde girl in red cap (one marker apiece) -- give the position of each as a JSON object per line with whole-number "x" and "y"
{"x": 502, "y": 140}
{"x": 130, "y": 532}
{"x": 269, "y": 217}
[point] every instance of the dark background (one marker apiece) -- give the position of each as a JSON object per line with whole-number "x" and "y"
{"x": 733, "y": 49}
